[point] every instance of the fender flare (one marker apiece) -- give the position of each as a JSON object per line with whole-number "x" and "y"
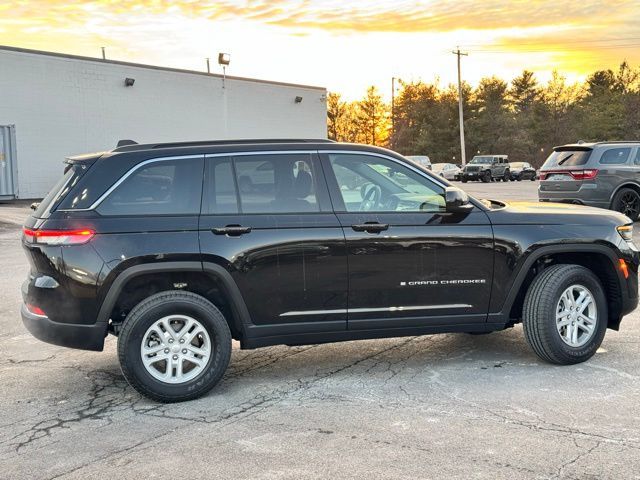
{"x": 241, "y": 316}
{"x": 551, "y": 249}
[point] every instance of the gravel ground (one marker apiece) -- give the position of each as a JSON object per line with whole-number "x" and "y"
{"x": 445, "y": 406}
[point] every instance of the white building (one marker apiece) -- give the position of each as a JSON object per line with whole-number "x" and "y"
{"x": 54, "y": 105}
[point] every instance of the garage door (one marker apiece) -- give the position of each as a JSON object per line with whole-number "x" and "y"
{"x": 7, "y": 162}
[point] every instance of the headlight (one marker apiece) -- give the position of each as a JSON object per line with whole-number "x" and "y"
{"x": 626, "y": 232}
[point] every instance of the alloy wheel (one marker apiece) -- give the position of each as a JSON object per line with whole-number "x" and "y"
{"x": 175, "y": 349}
{"x": 576, "y": 316}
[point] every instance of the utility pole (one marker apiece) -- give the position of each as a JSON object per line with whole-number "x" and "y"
{"x": 208, "y": 67}
{"x": 393, "y": 111}
{"x": 104, "y": 54}
{"x": 459, "y": 54}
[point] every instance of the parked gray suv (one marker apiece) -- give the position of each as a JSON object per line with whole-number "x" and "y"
{"x": 602, "y": 174}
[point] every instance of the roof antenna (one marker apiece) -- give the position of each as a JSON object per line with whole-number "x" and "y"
{"x": 123, "y": 143}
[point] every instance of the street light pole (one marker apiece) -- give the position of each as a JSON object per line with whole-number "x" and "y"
{"x": 393, "y": 111}
{"x": 459, "y": 54}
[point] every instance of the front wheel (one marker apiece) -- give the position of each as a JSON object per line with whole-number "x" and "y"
{"x": 486, "y": 176}
{"x": 627, "y": 201}
{"x": 507, "y": 176}
{"x": 565, "y": 314}
{"x": 174, "y": 346}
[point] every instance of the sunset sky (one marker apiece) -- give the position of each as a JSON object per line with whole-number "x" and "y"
{"x": 342, "y": 45}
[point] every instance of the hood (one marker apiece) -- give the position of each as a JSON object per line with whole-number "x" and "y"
{"x": 544, "y": 213}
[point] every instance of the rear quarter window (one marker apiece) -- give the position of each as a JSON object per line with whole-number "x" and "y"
{"x": 72, "y": 174}
{"x": 615, "y": 156}
{"x": 165, "y": 187}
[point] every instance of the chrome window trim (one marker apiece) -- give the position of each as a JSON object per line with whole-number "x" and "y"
{"x": 133, "y": 169}
{"x": 393, "y": 159}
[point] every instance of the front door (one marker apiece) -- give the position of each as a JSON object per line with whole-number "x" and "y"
{"x": 267, "y": 219}
{"x": 411, "y": 263}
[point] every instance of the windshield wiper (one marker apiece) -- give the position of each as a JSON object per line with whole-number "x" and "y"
{"x": 565, "y": 159}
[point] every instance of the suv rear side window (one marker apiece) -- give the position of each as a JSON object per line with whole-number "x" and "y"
{"x": 71, "y": 176}
{"x": 615, "y": 156}
{"x": 268, "y": 183}
{"x": 165, "y": 187}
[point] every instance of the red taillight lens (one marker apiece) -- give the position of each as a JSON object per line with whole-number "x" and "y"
{"x": 588, "y": 174}
{"x": 36, "y": 310}
{"x": 58, "y": 237}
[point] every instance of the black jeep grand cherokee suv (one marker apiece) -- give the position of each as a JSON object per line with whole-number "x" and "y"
{"x": 179, "y": 248}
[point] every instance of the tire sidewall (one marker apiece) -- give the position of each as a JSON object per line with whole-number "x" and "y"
{"x": 132, "y": 360}
{"x": 618, "y": 197}
{"x": 578, "y": 354}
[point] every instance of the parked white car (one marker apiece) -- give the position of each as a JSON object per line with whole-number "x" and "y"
{"x": 446, "y": 170}
{"x": 421, "y": 160}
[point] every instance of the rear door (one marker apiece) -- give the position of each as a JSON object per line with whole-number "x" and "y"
{"x": 267, "y": 219}
{"x": 411, "y": 264}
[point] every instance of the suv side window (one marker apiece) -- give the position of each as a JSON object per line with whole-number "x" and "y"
{"x": 371, "y": 183}
{"x": 165, "y": 187}
{"x": 268, "y": 183}
{"x": 636, "y": 161}
{"x": 615, "y": 156}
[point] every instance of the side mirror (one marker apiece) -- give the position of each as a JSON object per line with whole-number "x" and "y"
{"x": 34, "y": 205}
{"x": 457, "y": 201}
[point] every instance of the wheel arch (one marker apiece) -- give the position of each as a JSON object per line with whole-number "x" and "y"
{"x": 211, "y": 281}
{"x": 633, "y": 185}
{"x": 597, "y": 258}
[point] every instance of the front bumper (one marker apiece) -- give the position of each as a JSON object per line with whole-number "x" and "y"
{"x": 84, "y": 337}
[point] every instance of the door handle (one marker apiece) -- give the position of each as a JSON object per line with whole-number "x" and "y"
{"x": 371, "y": 227}
{"x": 231, "y": 230}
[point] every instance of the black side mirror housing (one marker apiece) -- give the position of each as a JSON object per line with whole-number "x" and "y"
{"x": 457, "y": 201}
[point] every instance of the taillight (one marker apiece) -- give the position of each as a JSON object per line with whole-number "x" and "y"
{"x": 36, "y": 310}
{"x": 588, "y": 174}
{"x": 58, "y": 237}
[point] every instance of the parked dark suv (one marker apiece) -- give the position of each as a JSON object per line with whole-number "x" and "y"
{"x": 179, "y": 248}
{"x": 603, "y": 174}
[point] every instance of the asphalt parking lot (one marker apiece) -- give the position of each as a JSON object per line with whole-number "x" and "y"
{"x": 446, "y": 406}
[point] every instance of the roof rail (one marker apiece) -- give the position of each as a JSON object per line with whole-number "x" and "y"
{"x": 201, "y": 143}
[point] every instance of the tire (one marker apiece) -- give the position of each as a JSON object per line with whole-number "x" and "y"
{"x": 627, "y": 201}
{"x": 464, "y": 180}
{"x": 135, "y": 331}
{"x": 507, "y": 176}
{"x": 539, "y": 314}
{"x": 486, "y": 177}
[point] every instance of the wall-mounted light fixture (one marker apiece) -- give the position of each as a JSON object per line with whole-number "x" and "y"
{"x": 298, "y": 99}
{"x": 128, "y": 82}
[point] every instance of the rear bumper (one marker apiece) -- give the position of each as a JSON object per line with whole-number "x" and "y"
{"x": 568, "y": 198}
{"x": 84, "y": 337}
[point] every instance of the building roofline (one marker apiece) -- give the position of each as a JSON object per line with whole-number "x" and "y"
{"x": 154, "y": 67}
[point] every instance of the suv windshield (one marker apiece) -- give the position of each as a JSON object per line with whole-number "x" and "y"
{"x": 567, "y": 158}
{"x": 72, "y": 174}
{"x": 481, "y": 160}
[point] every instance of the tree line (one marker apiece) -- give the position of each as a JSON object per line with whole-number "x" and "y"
{"x": 524, "y": 119}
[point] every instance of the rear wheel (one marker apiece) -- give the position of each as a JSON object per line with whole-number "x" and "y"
{"x": 565, "y": 314}
{"x": 174, "y": 346}
{"x": 627, "y": 201}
